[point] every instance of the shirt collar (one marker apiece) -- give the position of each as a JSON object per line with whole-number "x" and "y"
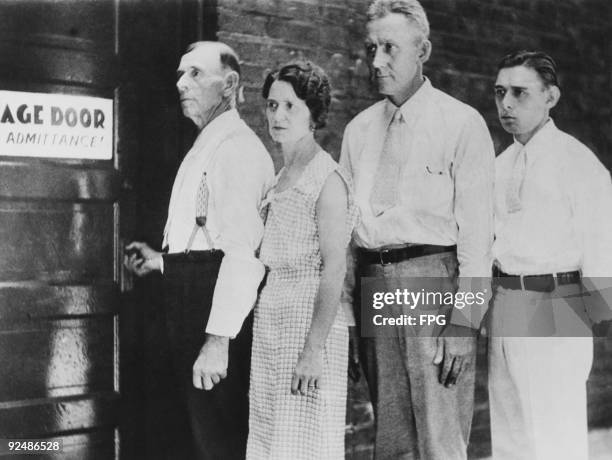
{"x": 413, "y": 105}
{"x": 540, "y": 140}
{"x": 218, "y": 126}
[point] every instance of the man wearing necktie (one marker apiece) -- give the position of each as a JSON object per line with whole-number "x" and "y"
{"x": 553, "y": 228}
{"x": 210, "y": 272}
{"x": 422, "y": 164}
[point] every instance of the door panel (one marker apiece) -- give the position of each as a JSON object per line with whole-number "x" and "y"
{"x": 32, "y": 180}
{"x": 63, "y": 358}
{"x": 57, "y": 242}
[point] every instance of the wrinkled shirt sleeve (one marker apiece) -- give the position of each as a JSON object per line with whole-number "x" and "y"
{"x": 474, "y": 172}
{"x": 238, "y": 186}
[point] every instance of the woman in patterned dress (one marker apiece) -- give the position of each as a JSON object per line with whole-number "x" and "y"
{"x": 300, "y": 337}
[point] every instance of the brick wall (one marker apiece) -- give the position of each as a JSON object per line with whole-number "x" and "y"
{"x": 469, "y": 37}
{"x": 267, "y": 33}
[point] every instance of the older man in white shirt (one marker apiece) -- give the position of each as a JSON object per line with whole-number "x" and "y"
{"x": 553, "y": 226}
{"x": 210, "y": 272}
{"x": 422, "y": 165}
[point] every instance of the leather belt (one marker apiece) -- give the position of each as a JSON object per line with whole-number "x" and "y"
{"x": 538, "y": 283}
{"x": 393, "y": 256}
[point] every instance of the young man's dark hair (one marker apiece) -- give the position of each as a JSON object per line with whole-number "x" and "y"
{"x": 539, "y": 61}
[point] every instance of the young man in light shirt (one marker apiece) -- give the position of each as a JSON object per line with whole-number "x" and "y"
{"x": 553, "y": 226}
{"x": 210, "y": 273}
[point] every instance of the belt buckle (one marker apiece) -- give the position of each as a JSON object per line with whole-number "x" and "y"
{"x": 382, "y": 259}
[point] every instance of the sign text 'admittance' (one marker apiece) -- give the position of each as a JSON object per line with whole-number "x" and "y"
{"x": 55, "y": 125}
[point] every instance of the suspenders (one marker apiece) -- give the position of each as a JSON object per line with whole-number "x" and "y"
{"x": 201, "y": 214}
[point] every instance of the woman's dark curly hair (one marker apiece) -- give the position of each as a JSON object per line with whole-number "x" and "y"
{"x": 310, "y": 84}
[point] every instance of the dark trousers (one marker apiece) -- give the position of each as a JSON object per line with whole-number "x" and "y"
{"x": 218, "y": 418}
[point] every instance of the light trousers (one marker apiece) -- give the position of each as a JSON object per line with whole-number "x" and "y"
{"x": 416, "y": 416}
{"x": 537, "y": 385}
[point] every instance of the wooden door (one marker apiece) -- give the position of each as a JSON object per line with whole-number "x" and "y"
{"x": 59, "y": 239}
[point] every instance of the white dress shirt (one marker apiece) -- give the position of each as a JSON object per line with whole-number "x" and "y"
{"x": 565, "y": 219}
{"x": 239, "y": 172}
{"x": 446, "y": 182}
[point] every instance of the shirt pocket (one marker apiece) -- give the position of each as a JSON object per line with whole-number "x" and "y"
{"x": 430, "y": 189}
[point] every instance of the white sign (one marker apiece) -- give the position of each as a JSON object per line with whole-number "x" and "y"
{"x": 55, "y": 125}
